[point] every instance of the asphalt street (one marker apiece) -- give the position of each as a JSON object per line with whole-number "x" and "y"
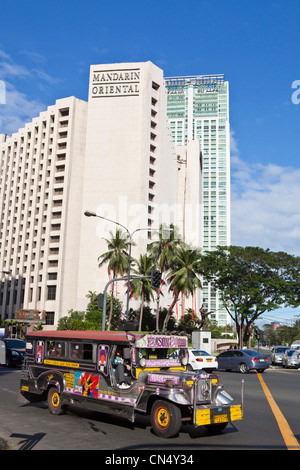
{"x": 32, "y": 427}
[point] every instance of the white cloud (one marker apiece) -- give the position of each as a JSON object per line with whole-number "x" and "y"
{"x": 18, "y": 108}
{"x": 265, "y": 205}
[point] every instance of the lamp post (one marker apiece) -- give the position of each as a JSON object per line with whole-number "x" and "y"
{"x": 130, "y": 235}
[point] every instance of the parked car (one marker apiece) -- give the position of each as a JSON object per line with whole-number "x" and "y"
{"x": 199, "y": 359}
{"x": 291, "y": 358}
{"x": 277, "y": 354}
{"x": 12, "y": 352}
{"x": 242, "y": 360}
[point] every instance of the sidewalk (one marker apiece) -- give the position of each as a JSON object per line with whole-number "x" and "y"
{"x": 6, "y": 441}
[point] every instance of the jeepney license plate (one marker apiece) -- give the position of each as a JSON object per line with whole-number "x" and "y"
{"x": 220, "y": 419}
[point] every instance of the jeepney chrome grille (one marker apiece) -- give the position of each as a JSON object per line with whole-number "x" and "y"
{"x": 25, "y": 370}
{"x": 204, "y": 390}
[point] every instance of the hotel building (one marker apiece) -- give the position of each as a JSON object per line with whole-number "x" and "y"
{"x": 198, "y": 109}
{"x": 40, "y": 193}
{"x": 114, "y": 155}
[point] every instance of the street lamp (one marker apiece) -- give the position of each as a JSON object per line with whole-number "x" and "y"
{"x": 93, "y": 214}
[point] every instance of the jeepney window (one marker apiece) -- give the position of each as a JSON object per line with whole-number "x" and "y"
{"x": 82, "y": 351}
{"x": 29, "y": 347}
{"x": 55, "y": 349}
{"x": 157, "y": 354}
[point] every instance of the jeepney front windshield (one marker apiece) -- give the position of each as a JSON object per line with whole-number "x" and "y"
{"x": 161, "y": 357}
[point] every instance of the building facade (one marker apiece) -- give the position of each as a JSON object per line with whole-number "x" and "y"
{"x": 198, "y": 109}
{"x": 130, "y": 163}
{"x": 40, "y": 190}
{"x": 142, "y": 151}
{"x": 113, "y": 155}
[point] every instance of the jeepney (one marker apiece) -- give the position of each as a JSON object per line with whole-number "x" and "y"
{"x": 77, "y": 368}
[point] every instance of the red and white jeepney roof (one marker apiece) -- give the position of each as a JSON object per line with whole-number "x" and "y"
{"x": 111, "y": 336}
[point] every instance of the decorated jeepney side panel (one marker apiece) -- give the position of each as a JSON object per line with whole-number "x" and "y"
{"x": 103, "y": 359}
{"x": 39, "y": 352}
{"x": 82, "y": 383}
{"x": 162, "y": 341}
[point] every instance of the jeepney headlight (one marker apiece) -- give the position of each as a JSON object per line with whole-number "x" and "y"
{"x": 169, "y": 383}
{"x": 184, "y": 361}
{"x": 142, "y": 362}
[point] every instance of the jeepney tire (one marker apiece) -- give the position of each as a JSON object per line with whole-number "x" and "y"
{"x": 165, "y": 419}
{"x": 54, "y": 402}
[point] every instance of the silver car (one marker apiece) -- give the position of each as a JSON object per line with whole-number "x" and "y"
{"x": 291, "y": 358}
{"x": 242, "y": 360}
{"x": 277, "y": 354}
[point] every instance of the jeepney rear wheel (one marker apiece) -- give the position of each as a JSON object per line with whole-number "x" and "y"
{"x": 165, "y": 418}
{"x": 54, "y": 402}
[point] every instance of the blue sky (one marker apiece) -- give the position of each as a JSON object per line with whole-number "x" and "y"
{"x": 46, "y": 49}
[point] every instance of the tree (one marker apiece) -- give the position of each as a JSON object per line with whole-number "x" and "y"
{"x": 162, "y": 252}
{"x": 142, "y": 287}
{"x": 93, "y": 313}
{"x": 184, "y": 276}
{"x": 252, "y": 281}
{"x": 74, "y": 321}
{"x": 281, "y": 335}
{"x": 117, "y": 259}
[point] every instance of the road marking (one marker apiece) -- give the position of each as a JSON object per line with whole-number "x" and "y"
{"x": 287, "y": 434}
{"x": 285, "y": 371}
{"x": 7, "y": 390}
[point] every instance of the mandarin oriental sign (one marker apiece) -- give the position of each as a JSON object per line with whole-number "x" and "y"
{"x": 107, "y": 83}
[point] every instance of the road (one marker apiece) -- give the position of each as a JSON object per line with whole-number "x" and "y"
{"x": 31, "y": 426}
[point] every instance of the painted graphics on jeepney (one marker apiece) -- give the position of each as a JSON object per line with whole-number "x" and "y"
{"x": 82, "y": 383}
{"x": 161, "y": 378}
{"x": 161, "y": 341}
{"x": 40, "y": 352}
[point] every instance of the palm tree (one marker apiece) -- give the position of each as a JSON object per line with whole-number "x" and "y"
{"x": 162, "y": 251}
{"x": 142, "y": 287}
{"x": 117, "y": 259}
{"x": 184, "y": 276}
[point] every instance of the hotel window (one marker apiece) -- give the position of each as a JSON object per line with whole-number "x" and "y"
{"x": 51, "y": 293}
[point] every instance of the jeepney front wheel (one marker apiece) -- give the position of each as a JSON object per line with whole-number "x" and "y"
{"x": 165, "y": 418}
{"x": 54, "y": 402}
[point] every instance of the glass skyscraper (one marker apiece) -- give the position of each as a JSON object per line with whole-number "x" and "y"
{"x": 198, "y": 109}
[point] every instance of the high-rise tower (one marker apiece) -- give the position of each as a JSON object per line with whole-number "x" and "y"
{"x": 198, "y": 109}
